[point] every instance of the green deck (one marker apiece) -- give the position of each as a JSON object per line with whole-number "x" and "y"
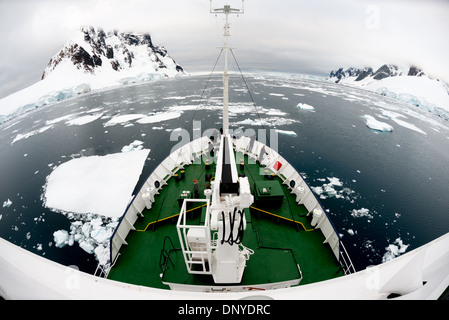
{"x": 279, "y": 233}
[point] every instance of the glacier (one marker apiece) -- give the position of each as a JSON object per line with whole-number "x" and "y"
{"x": 419, "y": 90}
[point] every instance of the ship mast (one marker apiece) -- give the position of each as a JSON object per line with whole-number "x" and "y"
{"x": 226, "y": 10}
{"x": 214, "y": 247}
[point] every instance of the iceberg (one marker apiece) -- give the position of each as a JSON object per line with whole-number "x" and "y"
{"x": 287, "y": 133}
{"x": 377, "y": 125}
{"x": 305, "y": 106}
{"x": 92, "y": 236}
{"x": 335, "y": 181}
{"x": 329, "y": 190}
{"x": 61, "y": 238}
{"x": 7, "y": 203}
{"x": 393, "y": 250}
{"x": 363, "y": 212}
{"x": 136, "y": 145}
{"x": 102, "y": 254}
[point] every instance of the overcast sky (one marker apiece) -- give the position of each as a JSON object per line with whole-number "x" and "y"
{"x": 300, "y": 36}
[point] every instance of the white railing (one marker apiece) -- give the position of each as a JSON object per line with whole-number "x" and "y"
{"x": 346, "y": 260}
{"x": 195, "y": 241}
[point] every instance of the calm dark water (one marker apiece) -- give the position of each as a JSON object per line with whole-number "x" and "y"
{"x": 392, "y": 184}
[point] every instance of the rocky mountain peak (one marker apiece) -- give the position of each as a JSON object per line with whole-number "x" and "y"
{"x": 96, "y": 50}
{"x": 385, "y": 71}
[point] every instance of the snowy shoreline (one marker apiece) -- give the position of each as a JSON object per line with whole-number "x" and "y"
{"x": 422, "y": 92}
{"x": 43, "y": 93}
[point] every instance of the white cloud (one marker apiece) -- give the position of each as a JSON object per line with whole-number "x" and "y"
{"x": 290, "y": 35}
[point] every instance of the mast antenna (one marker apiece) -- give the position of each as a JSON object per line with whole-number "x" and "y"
{"x": 226, "y": 10}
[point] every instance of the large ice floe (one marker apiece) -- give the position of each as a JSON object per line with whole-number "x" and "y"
{"x": 142, "y": 119}
{"x": 94, "y": 191}
{"x": 395, "y": 117}
{"x": 96, "y": 184}
{"x": 377, "y": 125}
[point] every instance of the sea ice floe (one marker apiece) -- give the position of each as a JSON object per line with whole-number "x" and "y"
{"x": 96, "y": 184}
{"x": 335, "y": 181}
{"x": 395, "y": 117}
{"x": 136, "y": 145}
{"x": 7, "y": 203}
{"x": 235, "y": 109}
{"x": 84, "y": 119}
{"x": 377, "y": 125}
{"x": 269, "y": 122}
{"x": 304, "y": 106}
{"x": 287, "y": 132}
{"x": 363, "y": 212}
{"x": 92, "y": 236}
{"x": 142, "y": 119}
{"x": 332, "y": 189}
{"x": 123, "y": 119}
{"x": 56, "y": 120}
{"x": 95, "y": 191}
{"x": 31, "y": 133}
{"x": 159, "y": 117}
{"x": 87, "y": 246}
{"x": 395, "y": 249}
{"x": 61, "y": 238}
{"x": 174, "y": 98}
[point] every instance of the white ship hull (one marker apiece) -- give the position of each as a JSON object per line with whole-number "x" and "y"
{"x": 419, "y": 274}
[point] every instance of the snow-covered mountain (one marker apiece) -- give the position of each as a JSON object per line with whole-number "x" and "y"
{"x": 113, "y": 53}
{"x": 385, "y": 71}
{"x": 93, "y": 60}
{"x": 409, "y": 84}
